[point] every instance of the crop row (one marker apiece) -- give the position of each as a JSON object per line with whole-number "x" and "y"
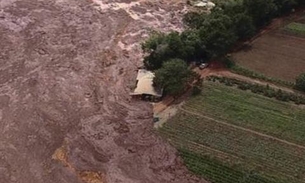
{"x": 272, "y": 155}
{"x": 280, "y": 119}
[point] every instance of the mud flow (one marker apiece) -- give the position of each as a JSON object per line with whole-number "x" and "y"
{"x": 66, "y": 70}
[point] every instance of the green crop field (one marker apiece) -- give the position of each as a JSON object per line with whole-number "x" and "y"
{"x": 216, "y": 137}
{"x": 295, "y": 28}
{"x": 270, "y": 116}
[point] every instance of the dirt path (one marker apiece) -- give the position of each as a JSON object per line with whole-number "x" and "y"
{"x": 226, "y": 73}
{"x": 243, "y": 129}
{"x": 166, "y": 114}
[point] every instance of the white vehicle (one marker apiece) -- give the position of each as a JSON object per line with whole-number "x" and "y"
{"x": 203, "y": 65}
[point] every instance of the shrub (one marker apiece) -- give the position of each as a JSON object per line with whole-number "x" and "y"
{"x": 260, "y": 89}
{"x": 300, "y": 82}
{"x": 249, "y": 73}
{"x": 196, "y": 90}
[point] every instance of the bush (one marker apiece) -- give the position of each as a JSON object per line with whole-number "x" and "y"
{"x": 249, "y": 73}
{"x": 300, "y": 82}
{"x": 196, "y": 90}
{"x": 260, "y": 89}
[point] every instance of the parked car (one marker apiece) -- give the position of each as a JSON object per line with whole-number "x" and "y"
{"x": 203, "y": 65}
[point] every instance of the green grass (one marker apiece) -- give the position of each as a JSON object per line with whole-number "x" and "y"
{"x": 270, "y": 116}
{"x": 295, "y": 28}
{"x": 224, "y": 154}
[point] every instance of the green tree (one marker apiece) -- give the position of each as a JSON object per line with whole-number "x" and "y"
{"x": 193, "y": 46}
{"x": 217, "y": 34}
{"x": 285, "y": 6}
{"x": 300, "y": 82}
{"x": 233, "y": 7}
{"x": 194, "y": 19}
{"x": 244, "y": 27}
{"x": 261, "y": 11}
{"x": 155, "y": 47}
{"x": 152, "y": 43}
{"x": 173, "y": 76}
{"x": 160, "y": 47}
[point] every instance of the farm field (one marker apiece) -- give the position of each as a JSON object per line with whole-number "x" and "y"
{"x": 279, "y": 54}
{"x": 223, "y": 153}
{"x": 280, "y": 119}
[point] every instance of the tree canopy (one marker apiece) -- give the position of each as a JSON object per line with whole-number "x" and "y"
{"x": 173, "y": 76}
{"x": 261, "y": 11}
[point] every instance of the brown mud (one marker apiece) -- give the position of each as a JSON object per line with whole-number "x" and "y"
{"x": 66, "y": 69}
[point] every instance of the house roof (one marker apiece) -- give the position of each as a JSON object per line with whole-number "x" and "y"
{"x": 204, "y": 3}
{"x": 145, "y": 84}
{"x": 201, "y": 4}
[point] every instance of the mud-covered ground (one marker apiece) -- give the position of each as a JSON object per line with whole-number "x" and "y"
{"x": 66, "y": 69}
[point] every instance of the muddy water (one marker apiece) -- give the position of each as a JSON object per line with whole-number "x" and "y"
{"x": 66, "y": 67}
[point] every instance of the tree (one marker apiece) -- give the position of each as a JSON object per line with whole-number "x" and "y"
{"x": 193, "y": 45}
{"x": 244, "y": 27}
{"x": 261, "y": 11}
{"x": 173, "y": 76}
{"x": 233, "y": 7}
{"x": 151, "y": 44}
{"x": 155, "y": 48}
{"x": 285, "y": 6}
{"x": 194, "y": 19}
{"x": 161, "y": 47}
{"x": 300, "y": 82}
{"x": 217, "y": 34}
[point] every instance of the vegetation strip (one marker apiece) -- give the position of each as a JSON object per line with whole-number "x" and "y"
{"x": 260, "y": 89}
{"x": 252, "y": 74}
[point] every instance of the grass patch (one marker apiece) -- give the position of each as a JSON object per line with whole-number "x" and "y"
{"x": 295, "y": 28}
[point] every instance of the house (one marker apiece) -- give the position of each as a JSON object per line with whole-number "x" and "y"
{"x": 144, "y": 86}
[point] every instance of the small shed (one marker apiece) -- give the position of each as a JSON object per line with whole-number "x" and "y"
{"x": 145, "y": 87}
